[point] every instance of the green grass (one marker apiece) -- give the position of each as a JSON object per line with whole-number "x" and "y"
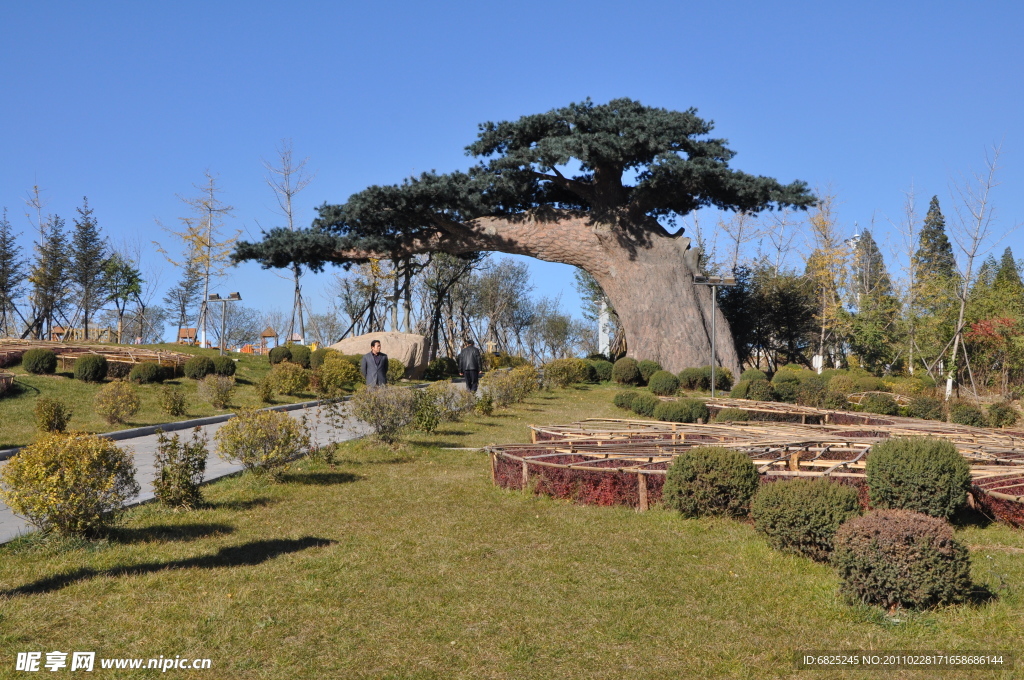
{"x": 408, "y": 563}
{"x": 16, "y": 406}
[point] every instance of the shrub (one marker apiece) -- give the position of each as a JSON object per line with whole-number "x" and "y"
{"x": 147, "y": 372}
{"x": 694, "y": 379}
{"x": 279, "y": 354}
{"x": 801, "y": 516}
{"x": 625, "y": 371}
{"x": 923, "y": 406}
{"x": 753, "y": 374}
{"x": 741, "y": 390}
{"x": 262, "y": 441}
{"x": 918, "y": 473}
{"x": 180, "y": 466}
{"x": 564, "y": 372}
{"x": 316, "y": 359}
{"x": 681, "y": 411}
{"x": 602, "y": 369}
{"x": 198, "y": 368}
{"x": 396, "y": 370}
{"x": 386, "y": 409}
{"x": 172, "y": 400}
{"x": 836, "y": 400}
{"x": 334, "y": 376}
{"x": 663, "y": 383}
{"x": 224, "y": 365}
{"x": 1002, "y": 415}
{"x": 710, "y": 481}
{"x": 264, "y": 389}
{"x": 868, "y": 384}
{"x": 484, "y": 405}
{"x": 901, "y": 558}
{"x": 965, "y": 413}
{"x": 69, "y": 483}
{"x": 493, "y": 361}
{"x": 624, "y": 399}
{"x": 216, "y": 389}
{"x": 426, "y": 413}
{"x": 647, "y": 369}
{"x": 644, "y": 404}
{"x": 119, "y": 370}
{"x": 51, "y": 415}
{"x": 441, "y": 368}
{"x": 812, "y": 391}
{"x": 510, "y": 387}
{"x": 116, "y": 402}
{"x": 39, "y": 361}
{"x": 451, "y": 400}
{"x": 786, "y": 385}
{"x": 883, "y": 404}
{"x": 841, "y": 383}
{"x": 288, "y": 378}
{"x": 731, "y": 415}
{"x": 761, "y": 390}
{"x": 91, "y": 368}
{"x": 723, "y": 379}
{"x": 300, "y": 355}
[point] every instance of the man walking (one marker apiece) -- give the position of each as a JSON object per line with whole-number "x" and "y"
{"x": 470, "y": 365}
{"x": 374, "y": 366}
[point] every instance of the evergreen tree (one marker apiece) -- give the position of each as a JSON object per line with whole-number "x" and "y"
{"x": 934, "y": 258}
{"x": 51, "y": 286}
{"x": 123, "y": 282}
{"x": 870, "y": 277}
{"x": 873, "y": 327}
{"x": 88, "y": 264}
{"x": 12, "y": 276}
{"x": 184, "y": 296}
{"x": 1008, "y": 276}
{"x": 932, "y": 313}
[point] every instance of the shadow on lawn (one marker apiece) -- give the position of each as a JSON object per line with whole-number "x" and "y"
{"x": 168, "y": 532}
{"x": 322, "y": 478}
{"x": 247, "y": 504}
{"x": 247, "y": 554}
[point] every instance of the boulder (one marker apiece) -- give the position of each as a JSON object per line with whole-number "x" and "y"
{"x": 409, "y": 348}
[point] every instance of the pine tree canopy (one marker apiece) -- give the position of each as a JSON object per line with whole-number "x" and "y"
{"x": 869, "y": 274}
{"x": 934, "y": 256}
{"x": 1008, "y": 276}
{"x": 620, "y": 164}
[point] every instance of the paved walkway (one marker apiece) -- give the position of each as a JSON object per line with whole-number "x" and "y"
{"x": 144, "y": 449}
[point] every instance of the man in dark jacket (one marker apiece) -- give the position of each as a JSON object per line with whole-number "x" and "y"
{"x": 374, "y": 366}
{"x": 470, "y": 364}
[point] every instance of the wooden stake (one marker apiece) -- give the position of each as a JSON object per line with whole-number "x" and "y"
{"x": 641, "y": 482}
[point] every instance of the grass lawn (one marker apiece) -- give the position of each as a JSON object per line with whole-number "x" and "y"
{"x": 408, "y": 563}
{"x": 16, "y": 406}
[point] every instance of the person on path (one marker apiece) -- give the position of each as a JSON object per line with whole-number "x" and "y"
{"x": 374, "y": 366}
{"x": 470, "y": 364}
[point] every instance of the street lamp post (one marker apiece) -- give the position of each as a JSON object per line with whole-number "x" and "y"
{"x": 714, "y": 282}
{"x": 232, "y": 297}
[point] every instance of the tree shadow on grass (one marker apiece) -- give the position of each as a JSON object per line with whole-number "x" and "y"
{"x": 168, "y": 532}
{"x": 970, "y": 517}
{"x": 247, "y": 554}
{"x": 248, "y": 504}
{"x": 321, "y": 478}
{"x": 438, "y": 443}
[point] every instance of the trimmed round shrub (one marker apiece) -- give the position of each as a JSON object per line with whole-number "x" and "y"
{"x": 922, "y": 474}
{"x": 116, "y": 402}
{"x": 564, "y": 372}
{"x": 316, "y": 359}
{"x": 812, "y": 391}
{"x": 663, "y": 383}
{"x": 39, "y": 361}
{"x": 69, "y": 484}
{"x": 836, "y": 400}
{"x": 396, "y": 370}
{"x": 625, "y": 371}
{"x": 334, "y": 376}
{"x": 602, "y": 369}
{"x": 801, "y": 516}
{"x": 288, "y": 378}
{"x": 1002, "y": 415}
{"x": 761, "y": 390}
{"x": 710, "y": 480}
{"x": 929, "y": 408}
{"x": 753, "y": 374}
{"x": 965, "y": 413}
{"x": 786, "y": 384}
{"x": 868, "y": 383}
{"x": 731, "y": 415}
{"x": 695, "y": 379}
{"x": 279, "y": 354}
{"x": 723, "y": 379}
{"x": 624, "y": 399}
{"x": 262, "y": 441}
{"x": 647, "y": 369}
{"x": 882, "y": 404}
{"x": 224, "y": 366}
{"x": 198, "y": 368}
{"x": 91, "y": 368}
{"x": 841, "y": 383}
{"x": 146, "y": 373}
{"x": 741, "y": 390}
{"x": 441, "y": 368}
{"x": 901, "y": 558}
{"x": 51, "y": 415}
{"x": 681, "y": 411}
{"x": 300, "y": 355}
{"x": 119, "y": 370}
{"x": 644, "y": 404}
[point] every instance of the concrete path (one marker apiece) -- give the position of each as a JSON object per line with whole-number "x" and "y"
{"x": 144, "y": 449}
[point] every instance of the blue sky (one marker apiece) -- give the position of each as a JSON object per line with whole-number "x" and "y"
{"x": 129, "y": 103}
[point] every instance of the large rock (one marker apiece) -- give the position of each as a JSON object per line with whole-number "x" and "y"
{"x": 409, "y": 348}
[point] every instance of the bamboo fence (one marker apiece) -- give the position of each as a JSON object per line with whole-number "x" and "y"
{"x": 12, "y": 349}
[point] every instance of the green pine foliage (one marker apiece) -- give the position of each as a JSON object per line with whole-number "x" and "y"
{"x": 644, "y": 404}
{"x": 710, "y": 481}
{"x": 91, "y": 368}
{"x": 802, "y": 515}
{"x": 922, "y": 474}
{"x": 626, "y": 371}
{"x": 663, "y": 383}
{"x": 39, "y": 361}
{"x": 647, "y": 369}
{"x": 681, "y": 411}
